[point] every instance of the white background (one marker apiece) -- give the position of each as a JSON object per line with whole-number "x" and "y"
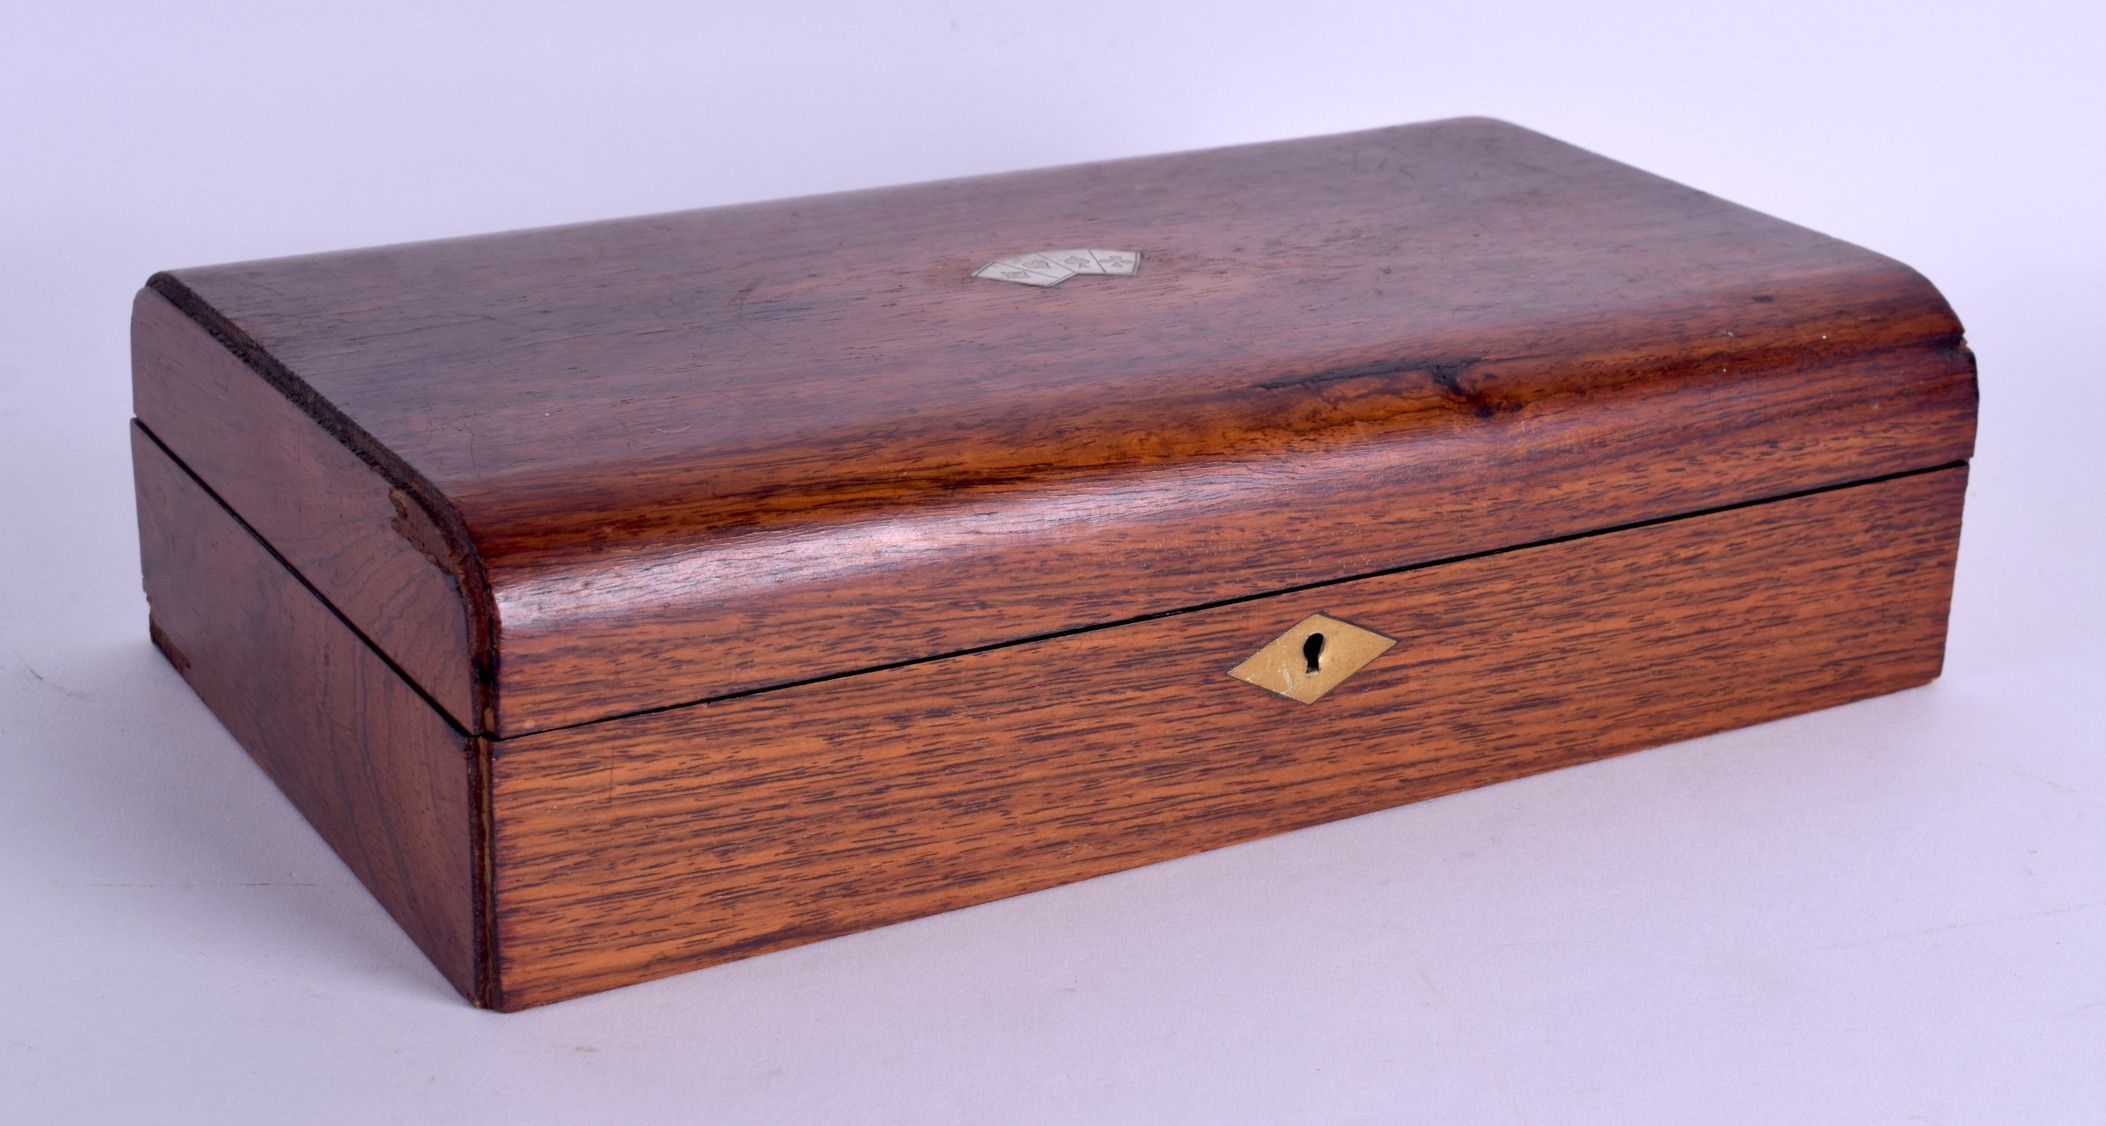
{"x": 1889, "y": 912}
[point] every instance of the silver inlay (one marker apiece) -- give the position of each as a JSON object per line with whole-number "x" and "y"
{"x": 1051, "y": 267}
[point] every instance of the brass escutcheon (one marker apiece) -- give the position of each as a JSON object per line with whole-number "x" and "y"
{"x": 1317, "y": 655}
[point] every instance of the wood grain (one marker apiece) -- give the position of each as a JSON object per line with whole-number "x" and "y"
{"x": 700, "y": 453}
{"x": 631, "y": 629}
{"x": 654, "y": 844}
{"x": 374, "y": 556}
{"x": 392, "y": 787}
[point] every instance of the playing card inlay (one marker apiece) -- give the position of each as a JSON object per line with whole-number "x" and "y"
{"x": 1051, "y": 267}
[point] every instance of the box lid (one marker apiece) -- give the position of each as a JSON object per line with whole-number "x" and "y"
{"x": 666, "y": 459}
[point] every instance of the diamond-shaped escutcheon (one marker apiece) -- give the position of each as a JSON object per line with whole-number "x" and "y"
{"x": 1317, "y": 655}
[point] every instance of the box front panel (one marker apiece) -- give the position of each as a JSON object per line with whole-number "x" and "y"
{"x": 644, "y": 846}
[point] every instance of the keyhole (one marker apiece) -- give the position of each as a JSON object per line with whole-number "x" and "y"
{"x": 1313, "y": 649}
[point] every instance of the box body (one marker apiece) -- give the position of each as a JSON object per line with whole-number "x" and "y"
{"x": 624, "y": 598}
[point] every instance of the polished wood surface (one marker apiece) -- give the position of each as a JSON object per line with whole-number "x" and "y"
{"x": 380, "y": 774}
{"x": 654, "y": 844}
{"x": 688, "y": 455}
{"x": 373, "y": 554}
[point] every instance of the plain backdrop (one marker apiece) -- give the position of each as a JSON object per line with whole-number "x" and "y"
{"x": 1889, "y": 912}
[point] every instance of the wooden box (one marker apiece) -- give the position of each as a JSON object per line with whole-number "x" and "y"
{"x": 622, "y": 598}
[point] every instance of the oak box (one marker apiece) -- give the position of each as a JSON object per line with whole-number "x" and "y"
{"x": 622, "y": 598}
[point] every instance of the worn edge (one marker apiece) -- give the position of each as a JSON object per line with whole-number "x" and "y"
{"x": 462, "y": 560}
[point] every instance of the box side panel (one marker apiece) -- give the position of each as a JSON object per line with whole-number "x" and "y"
{"x": 371, "y": 765}
{"x": 627, "y": 629}
{"x": 365, "y": 546}
{"x": 649, "y": 845}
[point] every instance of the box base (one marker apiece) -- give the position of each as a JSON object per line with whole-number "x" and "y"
{"x": 564, "y": 862}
